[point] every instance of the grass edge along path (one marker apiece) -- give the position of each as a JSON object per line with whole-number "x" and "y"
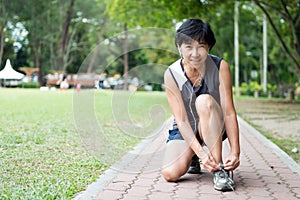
{"x": 253, "y": 106}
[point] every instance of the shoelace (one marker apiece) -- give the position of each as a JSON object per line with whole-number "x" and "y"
{"x": 229, "y": 181}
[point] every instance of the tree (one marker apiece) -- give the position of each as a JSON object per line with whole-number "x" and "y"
{"x": 122, "y": 11}
{"x": 284, "y": 18}
{"x": 287, "y": 26}
{"x": 34, "y": 19}
{"x": 50, "y": 32}
{"x": 132, "y": 13}
{"x": 90, "y": 26}
{"x": 21, "y": 58}
{"x": 163, "y": 13}
{"x": 37, "y": 35}
{"x": 99, "y": 37}
{"x": 3, "y": 22}
{"x": 67, "y": 31}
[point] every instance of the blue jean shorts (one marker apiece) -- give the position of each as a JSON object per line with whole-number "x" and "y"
{"x": 174, "y": 134}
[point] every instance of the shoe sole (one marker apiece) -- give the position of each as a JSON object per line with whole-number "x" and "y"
{"x": 194, "y": 172}
{"x": 225, "y": 189}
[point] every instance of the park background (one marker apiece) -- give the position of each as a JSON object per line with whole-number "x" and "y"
{"x": 42, "y": 155}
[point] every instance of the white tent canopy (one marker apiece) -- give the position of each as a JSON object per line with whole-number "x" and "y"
{"x": 9, "y": 73}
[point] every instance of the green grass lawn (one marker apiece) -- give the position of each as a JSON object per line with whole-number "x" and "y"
{"x": 45, "y": 150}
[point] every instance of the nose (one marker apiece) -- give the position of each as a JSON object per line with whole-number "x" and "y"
{"x": 195, "y": 52}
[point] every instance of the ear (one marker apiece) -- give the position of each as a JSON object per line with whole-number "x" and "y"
{"x": 180, "y": 53}
{"x": 178, "y": 49}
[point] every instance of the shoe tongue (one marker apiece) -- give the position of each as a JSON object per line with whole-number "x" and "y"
{"x": 222, "y": 174}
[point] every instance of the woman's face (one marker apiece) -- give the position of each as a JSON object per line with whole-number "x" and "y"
{"x": 194, "y": 53}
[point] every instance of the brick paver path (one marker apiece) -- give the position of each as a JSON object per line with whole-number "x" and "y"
{"x": 263, "y": 174}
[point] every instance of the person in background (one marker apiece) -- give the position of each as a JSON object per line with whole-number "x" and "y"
{"x": 64, "y": 85}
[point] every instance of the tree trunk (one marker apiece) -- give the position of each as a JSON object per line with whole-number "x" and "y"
{"x": 265, "y": 54}
{"x": 37, "y": 60}
{"x": 236, "y": 47}
{"x": 62, "y": 45}
{"x": 36, "y": 43}
{"x": 95, "y": 53}
{"x": 2, "y": 29}
{"x": 41, "y": 70}
{"x": 125, "y": 51}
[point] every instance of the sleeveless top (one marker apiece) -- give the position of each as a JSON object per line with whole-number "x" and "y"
{"x": 209, "y": 85}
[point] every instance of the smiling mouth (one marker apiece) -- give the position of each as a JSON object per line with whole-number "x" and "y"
{"x": 195, "y": 61}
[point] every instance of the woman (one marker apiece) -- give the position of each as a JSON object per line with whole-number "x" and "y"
{"x": 199, "y": 92}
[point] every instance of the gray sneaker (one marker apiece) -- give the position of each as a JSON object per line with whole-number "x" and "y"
{"x": 222, "y": 181}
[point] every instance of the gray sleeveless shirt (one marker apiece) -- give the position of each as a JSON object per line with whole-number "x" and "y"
{"x": 209, "y": 85}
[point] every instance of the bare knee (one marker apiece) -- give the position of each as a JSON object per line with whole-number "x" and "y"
{"x": 169, "y": 175}
{"x": 204, "y": 103}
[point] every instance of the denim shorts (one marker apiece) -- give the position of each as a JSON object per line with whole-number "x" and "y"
{"x": 175, "y": 134}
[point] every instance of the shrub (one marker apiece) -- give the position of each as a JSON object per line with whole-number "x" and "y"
{"x": 254, "y": 86}
{"x": 244, "y": 89}
{"x": 249, "y": 89}
{"x": 272, "y": 88}
{"x": 156, "y": 87}
{"x": 29, "y": 85}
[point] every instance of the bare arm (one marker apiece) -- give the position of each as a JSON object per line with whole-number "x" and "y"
{"x": 180, "y": 115}
{"x": 230, "y": 118}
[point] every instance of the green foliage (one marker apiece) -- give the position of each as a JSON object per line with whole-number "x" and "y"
{"x": 22, "y": 58}
{"x": 96, "y": 21}
{"x": 244, "y": 89}
{"x": 283, "y": 19}
{"x": 122, "y": 11}
{"x": 253, "y": 86}
{"x": 29, "y": 85}
{"x": 249, "y": 89}
{"x": 8, "y": 53}
{"x": 272, "y": 88}
{"x": 157, "y": 87}
{"x": 133, "y": 12}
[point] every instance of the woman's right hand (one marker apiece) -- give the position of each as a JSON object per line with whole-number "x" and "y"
{"x": 208, "y": 161}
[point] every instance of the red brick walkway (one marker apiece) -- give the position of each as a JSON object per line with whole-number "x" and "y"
{"x": 265, "y": 173}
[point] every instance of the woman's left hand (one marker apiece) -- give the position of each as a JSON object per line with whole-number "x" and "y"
{"x": 232, "y": 162}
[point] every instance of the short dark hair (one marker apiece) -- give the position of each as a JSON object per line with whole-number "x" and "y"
{"x": 195, "y": 29}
